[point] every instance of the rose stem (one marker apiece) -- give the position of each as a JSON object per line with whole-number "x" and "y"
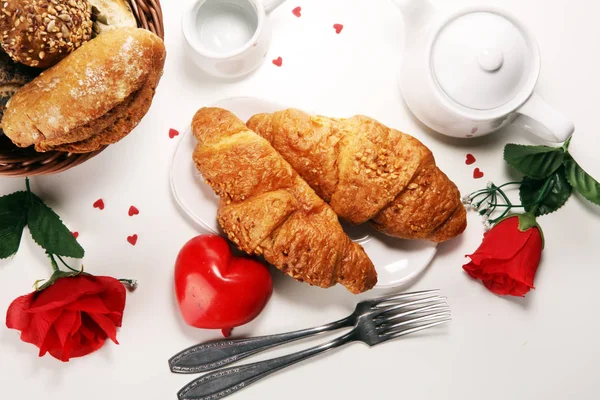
{"x": 537, "y": 201}
{"x": 484, "y": 199}
{"x": 65, "y": 264}
{"x": 53, "y": 262}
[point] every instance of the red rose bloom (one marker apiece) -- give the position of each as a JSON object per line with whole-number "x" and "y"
{"x": 71, "y": 318}
{"x": 508, "y": 258}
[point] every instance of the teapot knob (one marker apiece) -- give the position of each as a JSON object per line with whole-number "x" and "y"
{"x": 490, "y": 60}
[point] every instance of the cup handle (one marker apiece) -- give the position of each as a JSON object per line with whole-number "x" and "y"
{"x": 538, "y": 117}
{"x": 271, "y": 5}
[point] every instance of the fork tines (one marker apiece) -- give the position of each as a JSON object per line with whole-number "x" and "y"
{"x": 395, "y": 298}
{"x": 401, "y": 319}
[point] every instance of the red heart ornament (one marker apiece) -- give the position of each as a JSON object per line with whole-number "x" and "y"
{"x": 132, "y": 239}
{"x": 297, "y": 11}
{"x": 133, "y": 211}
{"x": 278, "y": 61}
{"x": 338, "y": 28}
{"x": 216, "y": 290}
{"x": 99, "y": 204}
{"x": 173, "y": 133}
{"x": 75, "y": 234}
{"x": 470, "y": 159}
{"x": 477, "y": 174}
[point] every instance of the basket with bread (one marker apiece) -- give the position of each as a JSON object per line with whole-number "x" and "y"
{"x": 75, "y": 77}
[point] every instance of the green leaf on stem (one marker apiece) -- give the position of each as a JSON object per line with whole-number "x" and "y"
{"x": 544, "y": 196}
{"x": 587, "y": 186}
{"x": 49, "y": 232}
{"x": 13, "y": 218}
{"x": 536, "y": 162}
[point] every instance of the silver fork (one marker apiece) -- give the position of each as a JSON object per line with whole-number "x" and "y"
{"x": 212, "y": 355}
{"x": 374, "y": 327}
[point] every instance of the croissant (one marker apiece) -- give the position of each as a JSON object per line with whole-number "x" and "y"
{"x": 368, "y": 172}
{"x": 267, "y": 209}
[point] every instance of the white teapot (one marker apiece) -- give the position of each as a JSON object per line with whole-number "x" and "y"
{"x": 473, "y": 72}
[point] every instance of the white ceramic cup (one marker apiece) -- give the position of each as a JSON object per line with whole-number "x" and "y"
{"x": 228, "y": 38}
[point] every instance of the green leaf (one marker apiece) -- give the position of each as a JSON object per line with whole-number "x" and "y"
{"x": 587, "y": 186}
{"x": 558, "y": 192}
{"x": 537, "y": 162}
{"x": 13, "y": 218}
{"x": 49, "y": 232}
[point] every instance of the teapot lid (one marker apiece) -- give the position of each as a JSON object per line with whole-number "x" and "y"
{"x": 483, "y": 60}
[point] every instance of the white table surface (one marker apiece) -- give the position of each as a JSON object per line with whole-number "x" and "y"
{"x": 542, "y": 347}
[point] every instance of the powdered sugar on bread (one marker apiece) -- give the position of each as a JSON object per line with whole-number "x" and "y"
{"x": 64, "y": 100}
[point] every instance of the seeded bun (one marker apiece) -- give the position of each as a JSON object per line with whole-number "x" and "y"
{"x": 40, "y": 33}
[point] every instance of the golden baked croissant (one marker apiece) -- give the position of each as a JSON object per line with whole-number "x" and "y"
{"x": 368, "y": 172}
{"x": 267, "y": 209}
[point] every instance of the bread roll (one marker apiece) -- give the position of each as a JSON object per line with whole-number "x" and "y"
{"x": 111, "y": 14}
{"x": 13, "y": 76}
{"x": 92, "y": 98}
{"x": 40, "y": 33}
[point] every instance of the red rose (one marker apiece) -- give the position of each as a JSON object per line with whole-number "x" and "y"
{"x": 508, "y": 258}
{"x": 71, "y": 318}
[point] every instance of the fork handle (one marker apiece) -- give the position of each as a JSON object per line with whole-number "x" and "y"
{"x": 225, "y": 382}
{"x": 212, "y": 355}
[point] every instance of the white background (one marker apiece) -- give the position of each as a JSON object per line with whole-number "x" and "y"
{"x": 542, "y": 347}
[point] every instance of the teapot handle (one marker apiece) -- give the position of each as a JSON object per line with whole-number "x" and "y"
{"x": 538, "y": 117}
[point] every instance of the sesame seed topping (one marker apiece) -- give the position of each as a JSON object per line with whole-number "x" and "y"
{"x": 42, "y": 32}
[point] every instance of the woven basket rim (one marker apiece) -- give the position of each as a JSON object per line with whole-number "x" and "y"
{"x": 18, "y": 162}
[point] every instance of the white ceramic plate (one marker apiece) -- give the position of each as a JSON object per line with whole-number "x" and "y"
{"x": 397, "y": 261}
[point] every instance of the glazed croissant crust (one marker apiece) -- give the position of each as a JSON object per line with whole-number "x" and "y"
{"x": 267, "y": 209}
{"x": 368, "y": 172}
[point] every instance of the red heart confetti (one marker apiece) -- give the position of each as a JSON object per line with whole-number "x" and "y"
{"x": 477, "y": 174}
{"x": 99, "y": 204}
{"x": 132, "y": 239}
{"x": 474, "y": 130}
{"x": 173, "y": 133}
{"x": 75, "y": 234}
{"x": 133, "y": 211}
{"x": 469, "y": 136}
{"x": 338, "y": 28}
{"x": 297, "y": 11}
{"x": 470, "y": 159}
{"x": 278, "y": 61}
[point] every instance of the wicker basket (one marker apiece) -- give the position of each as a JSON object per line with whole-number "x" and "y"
{"x": 18, "y": 162}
